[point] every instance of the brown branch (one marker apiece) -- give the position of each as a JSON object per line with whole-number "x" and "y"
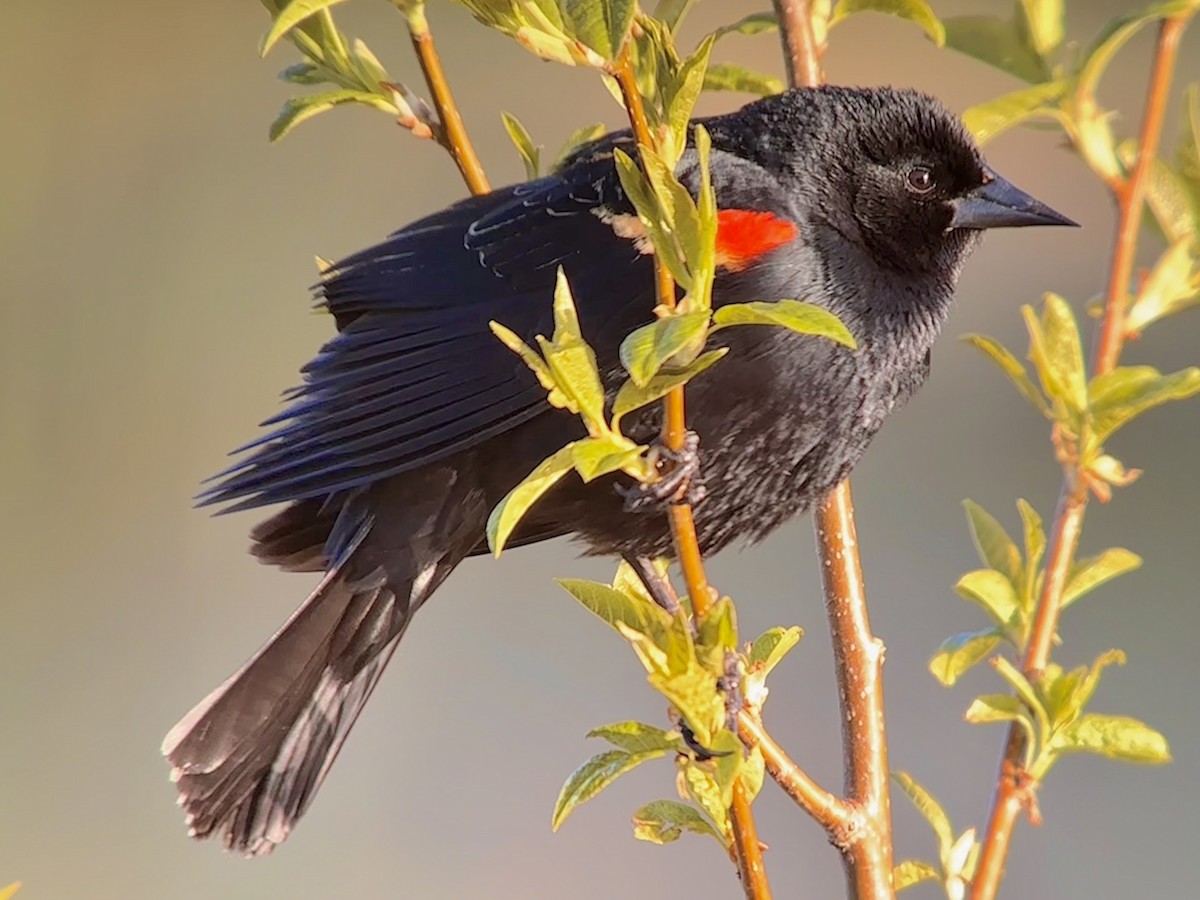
{"x": 830, "y": 811}
{"x": 865, "y": 839}
{"x": 858, "y": 661}
{"x": 801, "y": 53}
{"x": 748, "y": 851}
{"x": 453, "y": 134}
{"x": 1014, "y": 792}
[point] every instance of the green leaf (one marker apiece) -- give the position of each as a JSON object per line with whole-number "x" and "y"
{"x": 530, "y": 154}
{"x": 638, "y": 737}
{"x": 647, "y": 349}
{"x": 1117, "y": 737}
{"x": 717, "y": 634}
{"x": 996, "y": 42}
{"x": 996, "y": 549}
{"x": 370, "y": 69}
{"x": 509, "y": 511}
{"x": 593, "y": 457}
{"x": 913, "y": 871}
{"x": 693, "y": 692}
{"x": 289, "y": 17}
{"x": 300, "y": 109}
{"x": 1025, "y": 691}
{"x": 602, "y": 25}
{"x": 1114, "y": 35}
{"x": 802, "y": 318}
{"x": 663, "y": 821}
{"x": 960, "y": 652}
{"x": 755, "y": 23}
{"x": 702, "y": 787}
{"x": 728, "y": 76}
{"x": 1044, "y": 23}
{"x": 631, "y": 396}
{"x": 1172, "y": 285}
{"x": 916, "y": 11}
{"x": 682, "y": 92}
{"x": 1088, "y": 574}
{"x": 1035, "y": 546}
{"x": 654, "y": 217}
{"x": 1174, "y": 202}
{"x": 1119, "y": 396}
{"x": 1011, "y": 367}
{"x": 990, "y": 118}
{"x": 571, "y": 360}
{"x": 995, "y": 708}
{"x": 927, "y": 807}
{"x": 770, "y": 647}
{"x": 993, "y": 593}
{"x": 576, "y": 139}
{"x": 754, "y": 771}
{"x": 1057, "y": 352}
{"x": 615, "y": 607}
{"x": 10, "y": 891}
{"x": 728, "y": 762}
{"x": 672, "y": 12}
{"x": 594, "y": 776}
{"x": 531, "y": 358}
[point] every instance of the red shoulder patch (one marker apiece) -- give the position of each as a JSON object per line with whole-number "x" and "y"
{"x": 743, "y": 235}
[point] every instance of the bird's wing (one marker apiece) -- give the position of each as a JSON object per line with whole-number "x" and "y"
{"x": 415, "y": 373}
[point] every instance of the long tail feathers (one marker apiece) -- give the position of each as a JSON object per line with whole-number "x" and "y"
{"x": 249, "y": 758}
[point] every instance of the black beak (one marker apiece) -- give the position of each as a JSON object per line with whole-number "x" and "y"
{"x": 998, "y": 204}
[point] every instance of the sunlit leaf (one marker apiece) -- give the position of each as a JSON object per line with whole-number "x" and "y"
{"x": 990, "y": 118}
{"x": 1025, "y": 691}
{"x": 530, "y": 154}
{"x": 7, "y": 893}
{"x": 301, "y": 109}
{"x": 290, "y": 16}
{"x": 672, "y": 12}
{"x": 1044, "y": 21}
{"x": 576, "y": 139}
{"x": 770, "y": 647}
{"x": 996, "y": 549}
{"x": 645, "y": 351}
{"x": 996, "y": 42}
{"x": 1035, "y": 546}
{"x": 717, "y": 634}
{"x": 993, "y": 592}
{"x": 1057, "y": 351}
{"x": 755, "y": 23}
{"x": 508, "y": 512}
{"x": 913, "y": 871}
{"x": 699, "y": 784}
{"x": 1119, "y": 396}
{"x": 1088, "y": 574}
{"x": 1117, "y": 737}
{"x": 603, "y": 26}
{"x": 1114, "y": 35}
{"x": 728, "y": 76}
{"x": 1011, "y": 367}
{"x": 631, "y": 396}
{"x": 928, "y": 807}
{"x": 615, "y": 607}
{"x": 960, "y": 652}
{"x": 916, "y": 11}
{"x": 682, "y": 93}
{"x": 663, "y": 821}
{"x": 693, "y": 692}
{"x": 803, "y": 318}
{"x": 594, "y": 776}
{"x": 638, "y": 737}
{"x": 1172, "y": 285}
{"x": 593, "y": 457}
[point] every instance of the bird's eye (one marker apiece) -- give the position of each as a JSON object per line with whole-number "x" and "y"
{"x": 920, "y": 179}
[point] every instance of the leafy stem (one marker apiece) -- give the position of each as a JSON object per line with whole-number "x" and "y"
{"x": 1013, "y": 793}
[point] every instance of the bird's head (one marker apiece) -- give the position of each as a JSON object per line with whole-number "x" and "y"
{"x": 895, "y": 171}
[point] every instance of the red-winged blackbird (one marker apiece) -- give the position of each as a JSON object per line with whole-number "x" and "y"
{"x": 413, "y": 421}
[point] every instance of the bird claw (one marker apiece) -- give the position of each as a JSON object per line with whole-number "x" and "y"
{"x": 680, "y": 479}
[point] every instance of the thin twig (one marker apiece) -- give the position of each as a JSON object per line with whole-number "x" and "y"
{"x": 801, "y": 54}
{"x": 451, "y": 124}
{"x": 830, "y": 811}
{"x": 748, "y": 851}
{"x": 1013, "y": 790}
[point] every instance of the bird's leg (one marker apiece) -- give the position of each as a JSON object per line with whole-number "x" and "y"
{"x": 679, "y": 479}
{"x": 659, "y": 588}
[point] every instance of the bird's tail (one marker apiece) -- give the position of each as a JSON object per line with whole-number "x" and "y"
{"x": 248, "y": 759}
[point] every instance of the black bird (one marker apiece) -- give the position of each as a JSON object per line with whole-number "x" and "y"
{"x": 413, "y": 421}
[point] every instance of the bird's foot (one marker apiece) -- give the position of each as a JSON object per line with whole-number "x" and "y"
{"x": 679, "y": 481}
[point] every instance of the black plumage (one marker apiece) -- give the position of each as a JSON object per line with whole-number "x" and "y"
{"x": 413, "y": 421}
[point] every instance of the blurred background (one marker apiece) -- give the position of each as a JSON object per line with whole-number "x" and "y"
{"x": 156, "y": 254}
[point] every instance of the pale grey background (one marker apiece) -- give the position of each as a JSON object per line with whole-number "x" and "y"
{"x": 155, "y": 256}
